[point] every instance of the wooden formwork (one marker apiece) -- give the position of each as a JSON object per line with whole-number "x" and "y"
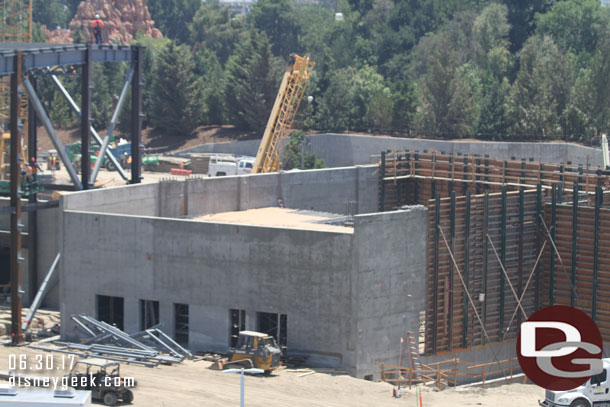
{"x": 412, "y": 177}
{"x": 483, "y": 231}
{"x": 496, "y": 213}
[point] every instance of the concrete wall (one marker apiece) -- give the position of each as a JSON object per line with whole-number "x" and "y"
{"x": 327, "y": 190}
{"x": 213, "y": 268}
{"x": 348, "y": 296}
{"x": 140, "y": 199}
{"x": 389, "y": 266}
{"x": 342, "y": 150}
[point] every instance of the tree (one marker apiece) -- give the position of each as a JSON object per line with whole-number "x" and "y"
{"x": 276, "y": 18}
{"x": 542, "y": 89}
{"x": 493, "y": 122}
{"x": 490, "y": 39}
{"x": 215, "y": 27}
{"x": 366, "y": 85}
{"x": 446, "y": 100}
{"x": 51, "y": 13}
{"x": 379, "y": 111}
{"x": 172, "y": 17}
{"x": 404, "y": 96}
{"x": 252, "y": 80}
{"x": 575, "y": 25}
{"x": 297, "y": 154}
{"x": 334, "y": 108}
{"x": 208, "y": 69}
{"x": 521, "y": 17}
{"x": 176, "y": 105}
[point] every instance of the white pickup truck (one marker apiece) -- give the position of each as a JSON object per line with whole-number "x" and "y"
{"x": 224, "y": 164}
{"x": 594, "y": 393}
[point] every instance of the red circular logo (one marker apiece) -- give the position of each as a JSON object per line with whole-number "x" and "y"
{"x": 559, "y": 348}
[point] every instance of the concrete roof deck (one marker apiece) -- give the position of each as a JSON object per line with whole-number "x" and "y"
{"x": 282, "y": 217}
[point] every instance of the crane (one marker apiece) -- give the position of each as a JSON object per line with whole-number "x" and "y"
{"x": 282, "y": 115}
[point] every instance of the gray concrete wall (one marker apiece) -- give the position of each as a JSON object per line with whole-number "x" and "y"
{"x": 213, "y": 268}
{"x": 327, "y": 190}
{"x": 342, "y": 150}
{"x": 389, "y": 256}
{"x": 141, "y": 199}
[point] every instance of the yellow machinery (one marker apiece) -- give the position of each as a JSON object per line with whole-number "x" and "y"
{"x": 16, "y": 27}
{"x": 255, "y": 349}
{"x": 282, "y": 115}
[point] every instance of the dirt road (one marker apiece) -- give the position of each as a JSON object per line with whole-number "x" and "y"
{"x": 191, "y": 384}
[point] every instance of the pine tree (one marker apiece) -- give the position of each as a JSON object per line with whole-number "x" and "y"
{"x": 176, "y": 100}
{"x": 252, "y": 80}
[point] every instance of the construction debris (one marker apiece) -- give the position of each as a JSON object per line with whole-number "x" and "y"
{"x": 147, "y": 348}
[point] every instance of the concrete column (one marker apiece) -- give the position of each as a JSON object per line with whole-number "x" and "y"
{"x": 167, "y": 318}
{"x": 243, "y": 194}
{"x": 131, "y": 317}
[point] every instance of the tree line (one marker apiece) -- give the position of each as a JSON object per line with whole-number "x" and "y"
{"x": 506, "y": 70}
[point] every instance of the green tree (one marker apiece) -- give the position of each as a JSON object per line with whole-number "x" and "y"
{"x": 252, "y": 80}
{"x": 446, "y": 101}
{"x": 297, "y": 154}
{"x": 172, "y": 17}
{"x": 575, "y": 25}
{"x": 379, "y": 111}
{"x": 333, "y": 109}
{"x": 366, "y": 85}
{"x": 542, "y": 89}
{"x": 276, "y": 18}
{"x": 493, "y": 122}
{"x": 215, "y": 27}
{"x": 51, "y": 13}
{"x": 521, "y": 17}
{"x": 176, "y": 105}
{"x": 404, "y": 95}
{"x": 490, "y": 40}
{"x": 209, "y": 71}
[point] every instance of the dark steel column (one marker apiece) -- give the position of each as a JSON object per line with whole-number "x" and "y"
{"x": 32, "y": 215}
{"x": 466, "y": 272}
{"x": 15, "y": 253}
{"x": 437, "y": 221}
{"x": 574, "y": 241}
{"x": 382, "y": 183}
{"x": 85, "y": 119}
{"x": 136, "y": 117}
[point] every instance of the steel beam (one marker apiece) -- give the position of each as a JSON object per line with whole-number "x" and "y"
{"x": 15, "y": 202}
{"x": 85, "y": 119}
{"x": 44, "y": 288}
{"x": 382, "y": 183}
{"x": 574, "y": 241}
{"x": 46, "y": 121}
{"x": 437, "y": 220}
{"x": 112, "y": 125}
{"x": 32, "y": 215}
{"x": 502, "y": 259}
{"x": 451, "y": 270}
{"x": 42, "y": 55}
{"x": 599, "y": 196}
{"x": 96, "y": 136}
{"x": 554, "y": 193}
{"x": 466, "y": 272}
{"x": 485, "y": 257}
{"x": 136, "y": 116}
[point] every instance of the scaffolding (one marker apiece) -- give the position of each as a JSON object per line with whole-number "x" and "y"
{"x": 16, "y": 27}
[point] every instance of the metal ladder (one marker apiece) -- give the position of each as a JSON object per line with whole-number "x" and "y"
{"x": 411, "y": 344}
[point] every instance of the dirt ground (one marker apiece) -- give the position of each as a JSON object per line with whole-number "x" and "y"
{"x": 193, "y": 383}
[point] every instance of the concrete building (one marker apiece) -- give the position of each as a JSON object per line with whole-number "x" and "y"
{"x": 328, "y": 276}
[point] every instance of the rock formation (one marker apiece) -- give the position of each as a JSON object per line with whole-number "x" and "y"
{"x": 122, "y": 20}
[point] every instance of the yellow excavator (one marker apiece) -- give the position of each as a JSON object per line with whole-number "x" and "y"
{"x": 292, "y": 89}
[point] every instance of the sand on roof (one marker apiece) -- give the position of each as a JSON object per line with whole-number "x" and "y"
{"x": 279, "y": 217}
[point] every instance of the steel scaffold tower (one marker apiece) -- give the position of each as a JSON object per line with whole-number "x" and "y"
{"x": 16, "y": 27}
